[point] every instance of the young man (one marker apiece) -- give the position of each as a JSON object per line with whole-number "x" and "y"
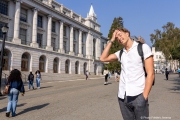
{"x": 166, "y": 73}
{"x": 134, "y": 87}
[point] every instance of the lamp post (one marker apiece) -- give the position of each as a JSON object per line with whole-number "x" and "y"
{"x": 4, "y": 31}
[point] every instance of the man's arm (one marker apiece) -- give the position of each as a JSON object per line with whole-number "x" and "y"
{"x": 105, "y": 57}
{"x": 149, "y": 66}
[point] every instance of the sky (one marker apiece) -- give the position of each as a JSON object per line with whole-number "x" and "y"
{"x": 140, "y": 17}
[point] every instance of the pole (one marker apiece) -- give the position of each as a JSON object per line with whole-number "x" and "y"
{"x": 1, "y": 59}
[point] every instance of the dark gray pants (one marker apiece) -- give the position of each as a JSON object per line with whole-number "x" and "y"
{"x": 134, "y": 107}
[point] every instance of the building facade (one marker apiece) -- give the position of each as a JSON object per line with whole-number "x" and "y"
{"x": 160, "y": 62}
{"x": 45, "y": 35}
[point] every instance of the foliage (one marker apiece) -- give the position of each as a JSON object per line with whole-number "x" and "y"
{"x": 167, "y": 41}
{"x": 117, "y": 22}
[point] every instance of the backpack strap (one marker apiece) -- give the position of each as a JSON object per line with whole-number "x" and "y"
{"x": 120, "y": 54}
{"x": 140, "y": 51}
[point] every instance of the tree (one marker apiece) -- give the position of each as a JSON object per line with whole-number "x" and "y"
{"x": 117, "y": 22}
{"x": 167, "y": 41}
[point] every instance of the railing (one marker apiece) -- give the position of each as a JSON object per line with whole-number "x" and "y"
{"x": 43, "y": 46}
{"x": 24, "y": 42}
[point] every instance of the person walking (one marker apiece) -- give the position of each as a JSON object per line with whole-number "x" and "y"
{"x": 106, "y": 74}
{"x": 86, "y": 74}
{"x": 166, "y": 73}
{"x": 31, "y": 80}
{"x": 38, "y": 79}
{"x": 134, "y": 87}
{"x": 16, "y": 86}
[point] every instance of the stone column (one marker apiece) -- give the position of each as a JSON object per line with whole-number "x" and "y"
{"x": 98, "y": 48}
{"x": 34, "y": 29}
{"x": 49, "y": 47}
{"x": 16, "y": 22}
{"x": 61, "y": 49}
{"x": 80, "y": 44}
{"x": 71, "y": 52}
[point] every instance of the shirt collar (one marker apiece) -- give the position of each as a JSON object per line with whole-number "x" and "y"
{"x": 133, "y": 45}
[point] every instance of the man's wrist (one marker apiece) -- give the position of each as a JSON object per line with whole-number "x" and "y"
{"x": 110, "y": 41}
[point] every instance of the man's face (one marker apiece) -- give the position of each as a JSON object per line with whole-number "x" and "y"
{"x": 122, "y": 37}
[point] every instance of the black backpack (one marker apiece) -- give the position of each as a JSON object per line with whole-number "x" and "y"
{"x": 140, "y": 51}
{"x": 31, "y": 77}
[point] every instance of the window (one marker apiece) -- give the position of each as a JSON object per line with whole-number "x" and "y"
{"x": 64, "y": 31}
{"x": 64, "y": 46}
{"x": 39, "y": 40}
{"x": 53, "y": 43}
{"x": 82, "y": 49}
{"x": 82, "y": 38}
{"x": 94, "y": 48}
{"x": 53, "y": 26}
{"x": 94, "y": 27}
{"x": 1, "y": 25}
{"x": 102, "y": 47}
{"x": 74, "y": 34}
{"x": 22, "y": 36}
{"x": 74, "y": 48}
{"x": 23, "y": 15}
{"x": 40, "y": 22}
{"x": 3, "y": 7}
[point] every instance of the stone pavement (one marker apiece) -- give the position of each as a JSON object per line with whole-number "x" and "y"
{"x": 91, "y": 100}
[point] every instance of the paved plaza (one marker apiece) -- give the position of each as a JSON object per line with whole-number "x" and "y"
{"x": 91, "y": 100}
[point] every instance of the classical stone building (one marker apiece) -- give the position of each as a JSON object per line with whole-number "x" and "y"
{"x": 45, "y": 35}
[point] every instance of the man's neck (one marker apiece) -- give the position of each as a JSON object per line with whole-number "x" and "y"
{"x": 129, "y": 44}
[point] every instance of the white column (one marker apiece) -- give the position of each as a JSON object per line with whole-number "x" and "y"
{"x": 16, "y": 22}
{"x": 61, "y": 49}
{"x": 34, "y": 29}
{"x": 98, "y": 48}
{"x": 49, "y": 47}
{"x": 71, "y": 52}
{"x": 80, "y": 44}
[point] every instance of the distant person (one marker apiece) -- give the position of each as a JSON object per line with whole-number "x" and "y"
{"x": 38, "y": 78}
{"x": 16, "y": 85}
{"x": 106, "y": 74}
{"x": 31, "y": 80}
{"x": 166, "y": 73}
{"x": 87, "y": 74}
{"x": 118, "y": 76}
{"x": 179, "y": 72}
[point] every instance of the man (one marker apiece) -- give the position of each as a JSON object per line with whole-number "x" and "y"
{"x": 134, "y": 87}
{"x": 166, "y": 73}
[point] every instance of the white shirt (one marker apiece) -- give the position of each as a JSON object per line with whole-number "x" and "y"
{"x": 132, "y": 73}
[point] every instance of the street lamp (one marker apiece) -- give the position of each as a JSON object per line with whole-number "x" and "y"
{"x": 4, "y": 31}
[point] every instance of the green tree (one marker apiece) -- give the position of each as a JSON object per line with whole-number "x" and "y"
{"x": 167, "y": 41}
{"x": 117, "y": 22}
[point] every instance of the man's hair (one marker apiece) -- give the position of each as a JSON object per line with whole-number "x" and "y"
{"x": 124, "y": 30}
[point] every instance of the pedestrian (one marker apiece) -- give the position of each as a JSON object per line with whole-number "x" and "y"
{"x": 166, "y": 73}
{"x": 16, "y": 86}
{"x": 134, "y": 87}
{"x": 178, "y": 71}
{"x": 106, "y": 74}
{"x": 86, "y": 74}
{"x": 115, "y": 75}
{"x": 38, "y": 79}
{"x": 31, "y": 80}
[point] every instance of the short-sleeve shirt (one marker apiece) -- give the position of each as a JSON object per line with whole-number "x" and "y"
{"x": 132, "y": 73}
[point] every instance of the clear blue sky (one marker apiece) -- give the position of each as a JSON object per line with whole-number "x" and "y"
{"x": 141, "y": 17}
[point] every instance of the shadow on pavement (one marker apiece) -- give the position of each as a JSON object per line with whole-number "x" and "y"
{"x": 3, "y": 97}
{"x": 33, "y": 108}
{"x": 176, "y": 87}
{"x": 5, "y": 108}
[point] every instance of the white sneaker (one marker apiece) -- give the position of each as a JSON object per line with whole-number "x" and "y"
{"x": 105, "y": 83}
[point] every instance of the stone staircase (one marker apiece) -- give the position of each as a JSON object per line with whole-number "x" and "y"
{"x": 53, "y": 76}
